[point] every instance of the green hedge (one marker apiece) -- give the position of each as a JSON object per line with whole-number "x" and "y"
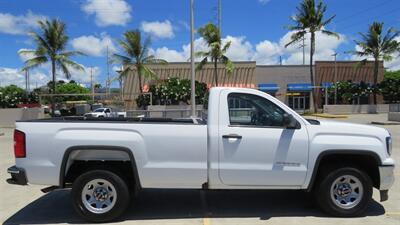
{"x": 172, "y": 91}
{"x": 12, "y": 95}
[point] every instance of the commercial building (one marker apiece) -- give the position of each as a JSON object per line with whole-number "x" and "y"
{"x": 289, "y": 83}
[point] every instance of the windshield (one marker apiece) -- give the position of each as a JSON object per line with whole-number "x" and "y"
{"x": 99, "y": 110}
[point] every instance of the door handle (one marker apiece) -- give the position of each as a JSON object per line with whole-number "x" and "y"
{"x": 235, "y": 136}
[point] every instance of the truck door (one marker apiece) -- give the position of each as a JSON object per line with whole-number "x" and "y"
{"x": 255, "y": 149}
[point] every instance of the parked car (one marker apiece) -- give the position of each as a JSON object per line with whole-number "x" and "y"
{"x": 250, "y": 140}
{"x": 105, "y": 112}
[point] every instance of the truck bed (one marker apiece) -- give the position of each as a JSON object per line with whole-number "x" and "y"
{"x": 82, "y": 119}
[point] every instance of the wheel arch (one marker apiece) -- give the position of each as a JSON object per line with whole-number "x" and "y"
{"x": 71, "y": 150}
{"x": 371, "y": 156}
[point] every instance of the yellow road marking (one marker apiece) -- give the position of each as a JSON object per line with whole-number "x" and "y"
{"x": 206, "y": 221}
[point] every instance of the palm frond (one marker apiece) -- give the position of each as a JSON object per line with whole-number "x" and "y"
{"x": 226, "y": 47}
{"x": 201, "y": 64}
{"x": 147, "y": 72}
{"x": 228, "y": 64}
{"x": 35, "y": 62}
{"x": 201, "y": 54}
{"x": 71, "y": 53}
{"x": 330, "y": 33}
{"x": 296, "y": 37}
{"x": 122, "y": 59}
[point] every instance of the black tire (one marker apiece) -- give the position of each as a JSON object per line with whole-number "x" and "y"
{"x": 323, "y": 197}
{"x": 121, "y": 189}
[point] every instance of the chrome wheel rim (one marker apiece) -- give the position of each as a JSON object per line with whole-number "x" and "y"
{"x": 99, "y": 196}
{"x": 347, "y": 191}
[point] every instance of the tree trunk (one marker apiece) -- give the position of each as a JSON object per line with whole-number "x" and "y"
{"x": 216, "y": 72}
{"x": 140, "y": 81}
{"x": 53, "y": 73}
{"x": 376, "y": 69}
{"x": 121, "y": 91}
{"x": 313, "y": 90}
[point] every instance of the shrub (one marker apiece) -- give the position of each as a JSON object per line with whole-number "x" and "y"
{"x": 172, "y": 91}
{"x": 390, "y": 89}
{"x": 12, "y": 95}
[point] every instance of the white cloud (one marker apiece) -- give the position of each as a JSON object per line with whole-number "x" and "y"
{"x": 15, "y": 76}
{"x": 42, "y": 74}
{"x": 83, "y": 76}
{"x": 393, "y": 64}
{"x": 24, "y": 57}
{"x": 325, "y": 46}
{"x": 264, "y": 1}
{"x": 240, "y": 49}
{"x": 21, "y": 24}
{"x": 158, "y": 29}
{"x": 168, "y": 54}
{"x": 265, "y": 52}
{"x": 108, "y": 12}
{"x": 94, "y": 46}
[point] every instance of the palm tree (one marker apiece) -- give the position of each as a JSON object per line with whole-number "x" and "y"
{"x": 310, "y": 19}
{"x": 137, "y": 55}
{"x": 51, "y": 42}
{"x": 380, "y": 47}
{"x": 217, "y": 50}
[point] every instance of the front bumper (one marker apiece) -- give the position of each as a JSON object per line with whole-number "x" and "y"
{"x": 18, "y": 176}
{"x": 386, "y": 174}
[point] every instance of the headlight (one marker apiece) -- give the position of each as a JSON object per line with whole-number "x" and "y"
{"x": 389, "y": 145}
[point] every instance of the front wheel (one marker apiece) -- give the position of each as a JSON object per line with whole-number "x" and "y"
{"x": 100, "y": 195}
{"x": 344, "y": 192}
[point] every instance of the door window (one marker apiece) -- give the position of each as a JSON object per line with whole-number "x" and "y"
{"x": 253, "y": 110}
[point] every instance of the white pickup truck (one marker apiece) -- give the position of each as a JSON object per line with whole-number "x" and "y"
{"x": 250, "y": 140}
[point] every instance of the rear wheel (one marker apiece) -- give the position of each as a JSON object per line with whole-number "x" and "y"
{"x": 344, "y": 192}
{"x": 100, "y": 195}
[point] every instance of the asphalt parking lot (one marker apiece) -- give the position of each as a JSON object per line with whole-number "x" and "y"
{"x": 27, "y": 205}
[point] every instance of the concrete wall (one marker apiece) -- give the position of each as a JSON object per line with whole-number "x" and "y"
{"x": 394, "y": 116}
{"x": 166, "y": 111}
{"x": 354, "y": 109}
{"x": 9, "y": 116}
{"x": 282, "y": 75}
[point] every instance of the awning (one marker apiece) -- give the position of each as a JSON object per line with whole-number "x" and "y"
{"x": 299, "y": 87}
{"x": 326, "y": 84}
{"x": 268, "y": 87}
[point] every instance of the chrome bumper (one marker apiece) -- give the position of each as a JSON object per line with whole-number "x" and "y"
{"x": 386, "y": 174}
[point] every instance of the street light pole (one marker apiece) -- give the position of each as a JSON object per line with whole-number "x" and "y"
{"x": 91, "y": 82}
{"x": 219, "y": 17}
{"x": 335, "y": 78}
{"x": 192, "y": 69}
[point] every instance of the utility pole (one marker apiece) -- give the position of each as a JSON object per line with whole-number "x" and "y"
{"x": 91, "y": 82}
{"x": 192, "y": 69}
{"x": 219, "y": 17}
{"x": 335, "y": 77}
{"x": 304, "y": 52}
{"x": 29, "y": 80}
{"x": 108, "y": 74}
{"x": 26, "y": 81}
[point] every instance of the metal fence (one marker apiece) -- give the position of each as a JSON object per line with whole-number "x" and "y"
{"x": 166, "y": 113}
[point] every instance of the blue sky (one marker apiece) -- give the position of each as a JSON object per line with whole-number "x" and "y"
{"x": 256, "y": 29}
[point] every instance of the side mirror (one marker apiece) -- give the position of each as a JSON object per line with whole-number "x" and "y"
{"x": 289, "y": 121}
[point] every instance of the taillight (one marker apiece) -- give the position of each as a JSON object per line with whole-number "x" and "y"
{"x": 19, "y": 144}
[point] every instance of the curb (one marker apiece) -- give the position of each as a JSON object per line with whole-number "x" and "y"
{"x": 385, "y": 123}
{"x": 330, "y": 116}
